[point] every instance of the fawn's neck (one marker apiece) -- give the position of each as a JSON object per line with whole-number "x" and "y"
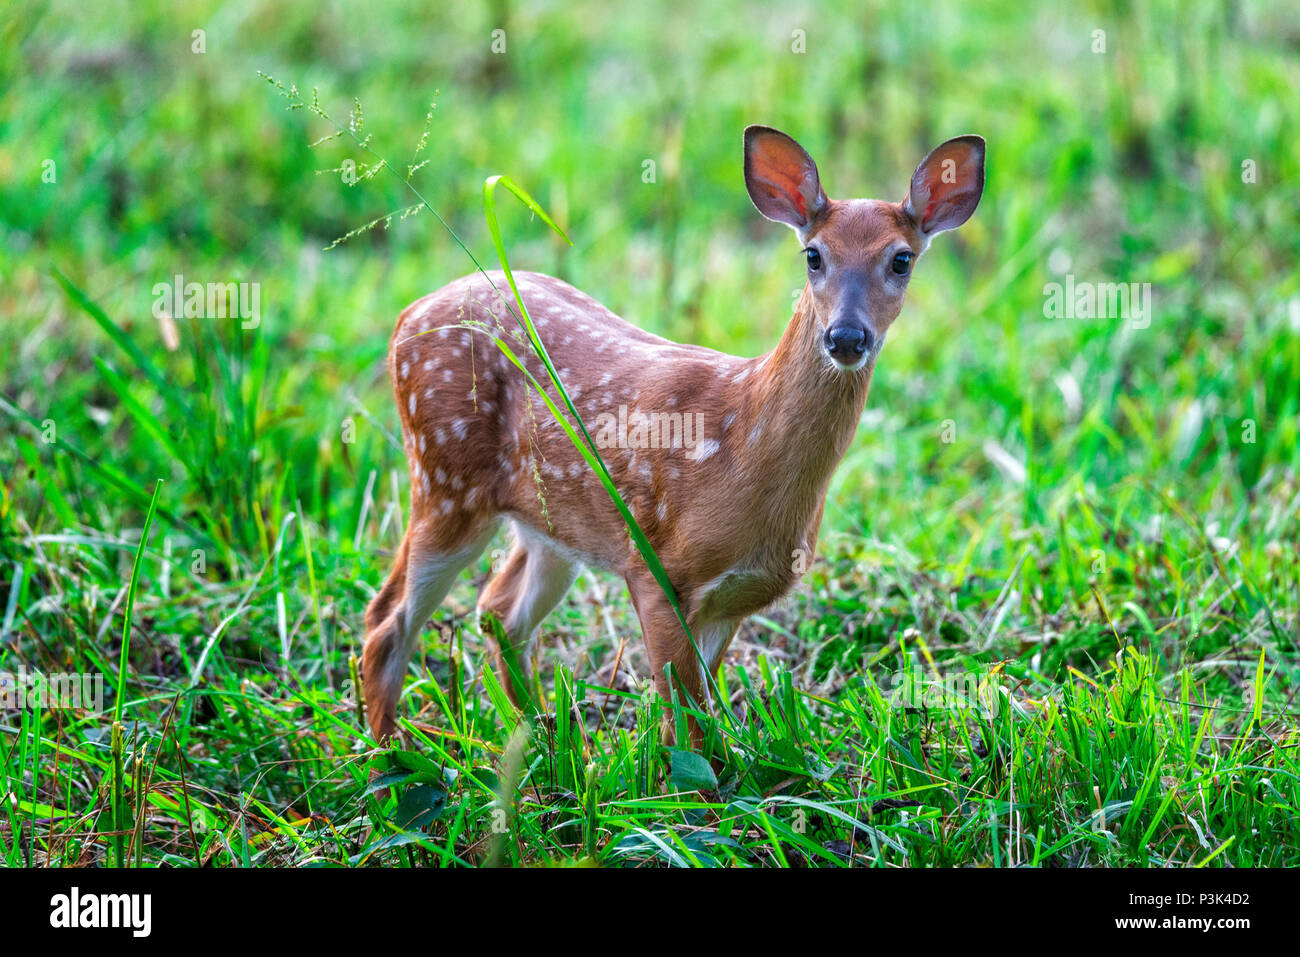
{"x": 807, "y": 410}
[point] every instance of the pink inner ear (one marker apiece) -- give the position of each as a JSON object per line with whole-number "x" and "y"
{"x": 784, "y": 179}
{"x": 939, "y": 193}
{"x": 784, "y": 188}
{"x": 799, "y": 203}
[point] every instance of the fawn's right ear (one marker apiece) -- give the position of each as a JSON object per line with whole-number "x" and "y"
{"x": 782, "y": 178}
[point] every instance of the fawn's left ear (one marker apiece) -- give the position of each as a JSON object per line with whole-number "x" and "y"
{"x": 947, "y": 186}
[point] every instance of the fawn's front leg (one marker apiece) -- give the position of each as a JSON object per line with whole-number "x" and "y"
{"x": 669, "y": 648}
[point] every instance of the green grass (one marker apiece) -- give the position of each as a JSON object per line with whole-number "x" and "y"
{"x": 1129, "y": 593}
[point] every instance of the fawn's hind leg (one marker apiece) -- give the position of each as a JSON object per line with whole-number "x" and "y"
{"x": 532, "y": 581}
{"x": 420, "y": 579}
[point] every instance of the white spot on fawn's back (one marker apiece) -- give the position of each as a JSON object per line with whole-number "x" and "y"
{"x": 706, "y": 449}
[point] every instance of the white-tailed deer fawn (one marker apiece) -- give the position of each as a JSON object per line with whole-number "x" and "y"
{"x": 724, "y": 461}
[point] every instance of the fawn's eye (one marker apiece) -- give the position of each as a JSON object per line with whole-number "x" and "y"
{"x": 902, "y": 263}
{"x": 814, "y": 259}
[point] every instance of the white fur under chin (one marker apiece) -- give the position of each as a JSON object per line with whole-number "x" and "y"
{"x": 856, "y": 367}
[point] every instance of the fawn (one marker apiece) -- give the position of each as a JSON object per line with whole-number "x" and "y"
{"x": 724, "y": 461}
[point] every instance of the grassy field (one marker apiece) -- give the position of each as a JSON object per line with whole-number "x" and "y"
{"x": 1087, "y": 527}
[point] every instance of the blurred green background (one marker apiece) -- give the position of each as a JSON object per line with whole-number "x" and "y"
{"x": 1021, "y": 486}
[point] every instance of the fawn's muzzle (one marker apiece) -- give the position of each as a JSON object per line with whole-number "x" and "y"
{"x": 846, "y": 342}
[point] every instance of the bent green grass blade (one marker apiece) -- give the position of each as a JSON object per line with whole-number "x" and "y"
{"x": 130, "y": 602}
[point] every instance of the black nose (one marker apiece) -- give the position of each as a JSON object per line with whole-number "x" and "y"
{"x": 847, "y": 343}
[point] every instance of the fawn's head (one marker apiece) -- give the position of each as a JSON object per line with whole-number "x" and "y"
{"x": 860, "y": 252}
